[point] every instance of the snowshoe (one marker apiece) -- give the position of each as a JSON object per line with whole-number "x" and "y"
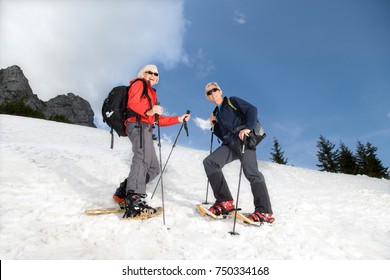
{"x": 136, "y": 206}
{"x": 222, "y": 208}
{"x": 258, "y": 217}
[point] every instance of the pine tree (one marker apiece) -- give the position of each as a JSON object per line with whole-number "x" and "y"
{"x": 368, "y": 162}
{"x": 326, "y": 155}
{"x": 361, "y": 158}
{"x": 346, "y": 161}
{"x": 278, "y": 154}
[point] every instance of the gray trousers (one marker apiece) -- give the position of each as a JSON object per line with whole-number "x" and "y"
{"x": 225, "y": 154}
{"x": 145, "y": 165}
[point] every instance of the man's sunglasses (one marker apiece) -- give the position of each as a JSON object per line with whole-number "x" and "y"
{"x": 211, "y": 91}
{"x": 151, "y": 73}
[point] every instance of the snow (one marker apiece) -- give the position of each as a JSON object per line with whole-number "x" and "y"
{"x": 51, "y": 172}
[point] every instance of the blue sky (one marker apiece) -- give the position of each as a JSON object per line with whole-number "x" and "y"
{"x": 311, "y": 67}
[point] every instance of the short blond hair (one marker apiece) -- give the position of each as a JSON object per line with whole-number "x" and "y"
{"x": 211, "y": 84}
{"x": 149, "y": 67}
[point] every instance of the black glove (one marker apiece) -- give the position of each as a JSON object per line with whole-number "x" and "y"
{"x": 251, "y": 141}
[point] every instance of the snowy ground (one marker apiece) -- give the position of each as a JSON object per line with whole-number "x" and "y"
{"x": 51, "y": 172}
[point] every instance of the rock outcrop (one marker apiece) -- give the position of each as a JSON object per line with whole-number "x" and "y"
{"x": 73, "y": 107}
{"x": 14, "y": 86}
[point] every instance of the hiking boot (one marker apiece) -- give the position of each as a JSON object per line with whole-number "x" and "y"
{"x": 120, "y": 194}
{"x": 137, "y": 206}
{"x": 222, "y": 208}
{"x": 261, "y": 217}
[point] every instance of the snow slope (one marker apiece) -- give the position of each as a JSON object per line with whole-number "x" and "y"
{"x": 51, "y": 172}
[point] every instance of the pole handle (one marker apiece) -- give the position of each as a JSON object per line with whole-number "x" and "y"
{"x": 156, "y": 115}
{"x": 185, "y": 124}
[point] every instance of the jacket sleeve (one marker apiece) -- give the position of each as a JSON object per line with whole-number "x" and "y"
{"x": 249, "y": 112}
{"x": 168, "y": 120}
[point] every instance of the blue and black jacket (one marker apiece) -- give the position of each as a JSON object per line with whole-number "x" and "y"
{"x": 233, "y": 115}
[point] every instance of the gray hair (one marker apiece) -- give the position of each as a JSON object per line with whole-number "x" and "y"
{"x": 210, "y": 84}
{"x": 149, "y": 67}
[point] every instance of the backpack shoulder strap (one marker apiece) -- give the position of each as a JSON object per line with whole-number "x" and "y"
{"x": 231, "y": 104}
{"x": 144, "y": 91}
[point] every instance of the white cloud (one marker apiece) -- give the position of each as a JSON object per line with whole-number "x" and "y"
{"x": 202, "y": 63}
{"x": 167, "y": 138}
{"x": 388, "y": 114}
{"x": 289, "y": 131}
{"x": 202, "y": 123}
{"x": 87, "y": 47}
{"x": 239, "y": 17}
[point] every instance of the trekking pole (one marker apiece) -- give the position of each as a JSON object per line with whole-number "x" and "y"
{"x": 208, "y": 181}
{"x": 157, "y": 118}
{"x": 238, "y": 191}
{"x": 184, "y": 124}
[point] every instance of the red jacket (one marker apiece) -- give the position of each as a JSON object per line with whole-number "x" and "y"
{"x": 141, "y": 105}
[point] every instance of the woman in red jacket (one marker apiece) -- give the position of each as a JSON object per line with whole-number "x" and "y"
{"x": 144, "y": 166}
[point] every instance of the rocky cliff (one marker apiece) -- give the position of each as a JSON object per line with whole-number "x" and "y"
{"x": 14, "y": 86}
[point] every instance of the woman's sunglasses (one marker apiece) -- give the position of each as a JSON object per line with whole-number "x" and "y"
{"x": 151, "y": 73}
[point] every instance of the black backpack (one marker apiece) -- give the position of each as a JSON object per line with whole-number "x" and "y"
{"x": 115, "y": 111}
{"x": 255, "y": 136}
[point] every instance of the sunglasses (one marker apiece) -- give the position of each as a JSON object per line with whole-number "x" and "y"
{"x": 211, "y": 91}
{"x": 151, "y": 73}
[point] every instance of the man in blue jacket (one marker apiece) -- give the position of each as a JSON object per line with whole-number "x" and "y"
{"x": 233, "y": 119}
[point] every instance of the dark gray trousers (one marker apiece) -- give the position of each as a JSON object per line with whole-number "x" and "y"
{"x": 225, "y": 154}
{"x": 145, "y": 165}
